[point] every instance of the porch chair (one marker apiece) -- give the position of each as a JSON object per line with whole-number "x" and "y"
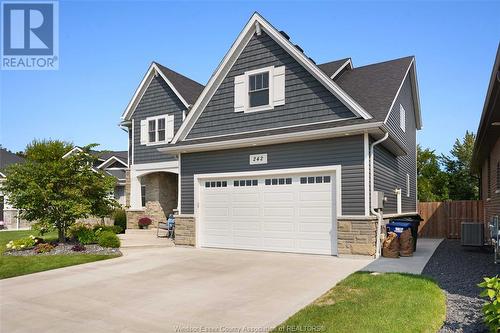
{"x": 168, "y": 226}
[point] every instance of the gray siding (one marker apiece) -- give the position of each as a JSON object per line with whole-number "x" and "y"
{"x": 158, "y": 99}
{"x": 390, "y": 171}
{"x": 345, "y": 151}
{"x": 306, "y": 99}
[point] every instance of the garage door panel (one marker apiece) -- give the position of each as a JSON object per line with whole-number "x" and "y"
{"x": 265, "y": 215}
{"x": 246, "y": 212}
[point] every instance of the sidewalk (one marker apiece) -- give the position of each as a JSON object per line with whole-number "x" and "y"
{"x": 413, "y": 265}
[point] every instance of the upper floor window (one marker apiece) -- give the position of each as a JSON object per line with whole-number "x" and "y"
{"x": 157, "y": 130}
{"x": 260, "y": 89}
{"x": 402, "y": 118}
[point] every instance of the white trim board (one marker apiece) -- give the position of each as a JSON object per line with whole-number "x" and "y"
{"x": 198, "y": 177}
{"x": 366, "y": 171}
{"x": 111, "y": 159}
{"x": 152, "y": 72}
{"x": 275, "y": 139}
{"x": 416, "y": 98}
{"x": 348, "y": 62}
{"x": 72, "y": 151}
{"x": 233, "y": 54}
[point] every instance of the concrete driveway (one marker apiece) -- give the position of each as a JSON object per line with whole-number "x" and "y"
{"x": 170, "y": 290}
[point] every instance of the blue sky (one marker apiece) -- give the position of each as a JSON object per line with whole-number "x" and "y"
{"x": 106, "y": 47}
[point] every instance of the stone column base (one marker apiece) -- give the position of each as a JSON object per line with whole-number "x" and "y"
{"x": 357, "y": 237}
{"x": 185, "y": 230}
{"x": 133, "y": 216}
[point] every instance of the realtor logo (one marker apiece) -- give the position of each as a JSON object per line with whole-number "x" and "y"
{"x": 30, "y": 35}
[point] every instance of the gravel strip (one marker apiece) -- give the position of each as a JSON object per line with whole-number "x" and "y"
{"x": 458, "y": 270}
{"x": 66, "y": 249}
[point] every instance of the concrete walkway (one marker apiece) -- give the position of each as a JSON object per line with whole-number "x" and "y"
{"x": 413, "y": 265}
{"x": 170, "y": 289}
{"x": 133, "y": 238}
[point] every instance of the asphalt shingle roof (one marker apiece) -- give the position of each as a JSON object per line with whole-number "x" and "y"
{"x": 189, "y": 89}
{"x": 329, "y": 68}
{"x": 375, "y": 86}
{"x": 7, "y": 158}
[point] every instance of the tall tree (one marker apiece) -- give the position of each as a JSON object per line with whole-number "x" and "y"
{"x": 463, "y": 184}
{"x": 432, "y": 181}
{"x": 55, "y": 190}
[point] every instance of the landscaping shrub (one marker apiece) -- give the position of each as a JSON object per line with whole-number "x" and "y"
{"x": 42, "y": 228}
{"x": 43, "y": 248}
{"x": 144, "y": 222}
{"x": 120, "y": 219}
{"x": 108, "y": 239}
{"x": 491, "y": 309}
{"x": 22, "y": 243}
{"x": 78, "y": 248}
{"x": 113, "y": 228}
{"x": 83, "y": 233}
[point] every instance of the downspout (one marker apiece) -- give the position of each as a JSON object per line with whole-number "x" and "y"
{"x": 372, "y": 189}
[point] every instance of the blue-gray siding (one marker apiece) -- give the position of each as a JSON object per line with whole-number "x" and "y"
{"x": 391, "y": 171}
{"x": 158, "y": 99}
{"x": 346, "y": 151}
{"x": 306, "y": 99}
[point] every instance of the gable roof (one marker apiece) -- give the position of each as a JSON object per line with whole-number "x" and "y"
{"x": 111, "y": 160}
{"x": 184, "y": 88}
{"x": 189, "y": 89}
{"x": 376, "y": 86}
{"x": 256, "y": 24}
{"x": 7, "y": 158}
{"x": 333, "y": 68}
{"x": 488, "y": 130}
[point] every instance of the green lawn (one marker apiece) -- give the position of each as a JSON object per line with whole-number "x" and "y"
{"x": 11, "y": 266}
{"x": 364, "y": 302}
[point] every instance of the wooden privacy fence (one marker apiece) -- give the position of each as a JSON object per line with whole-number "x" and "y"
{"x": 443, "y": 219}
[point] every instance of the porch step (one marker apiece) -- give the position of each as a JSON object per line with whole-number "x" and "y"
{"x": 133, "y": 238}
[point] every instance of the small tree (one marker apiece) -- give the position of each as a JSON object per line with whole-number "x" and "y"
{"x": 432, "y": 181}
{"x": 463, "y": 184}
{"x": 55, "y": 190}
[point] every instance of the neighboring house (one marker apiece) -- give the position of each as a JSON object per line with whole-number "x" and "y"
{"x": 9, "y": 214}
{"x": 486, "y": 156}
{"x": 274, "y": 152}
{"x": 113, "y": 163}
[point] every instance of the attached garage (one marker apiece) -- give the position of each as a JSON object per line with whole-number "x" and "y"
{"x": 286, "y": 211}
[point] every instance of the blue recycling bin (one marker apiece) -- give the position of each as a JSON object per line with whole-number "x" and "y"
{"x": 398, "y": 227}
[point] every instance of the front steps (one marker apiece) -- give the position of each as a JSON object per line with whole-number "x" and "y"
{"x": 136, "y": 238}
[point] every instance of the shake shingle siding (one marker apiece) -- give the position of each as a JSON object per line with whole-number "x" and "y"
{"x": 345, "y": 151}
{"x": 391, "y": 171}
{"x": 158, "y": 99}
{"x": 306, "y": 99}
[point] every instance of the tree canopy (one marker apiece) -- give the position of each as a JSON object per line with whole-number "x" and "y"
{"x": 57, "y": 191}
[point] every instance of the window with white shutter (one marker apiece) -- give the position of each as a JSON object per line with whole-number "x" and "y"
{"x": 157, "y": 130}
{"x": 259, "y": 90}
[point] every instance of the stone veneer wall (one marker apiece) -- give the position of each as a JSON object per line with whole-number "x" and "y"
{"x": 355, "y": 237}
{"x": 161, "y": 196}
{"x": 133, "y": 216}
{"x": 127, "y": 188}
{"x": 185, "y": 230}
{"x": 10, "y": 220}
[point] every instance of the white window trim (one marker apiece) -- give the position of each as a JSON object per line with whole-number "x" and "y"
{"x": 155, "y": 118}
{"x": 270, "y": 106}
{"x": 402, "y": 118}
{"x": 408, "y": 185}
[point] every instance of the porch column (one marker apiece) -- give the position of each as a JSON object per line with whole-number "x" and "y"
{"x": 135, "y": 191}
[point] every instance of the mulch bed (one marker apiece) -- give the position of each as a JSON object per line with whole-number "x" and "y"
{"x": 458, "y": 270}
{"x": 66, "y": 249}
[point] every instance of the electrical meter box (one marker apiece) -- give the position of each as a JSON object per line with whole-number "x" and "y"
{"x": 378, "y": 200}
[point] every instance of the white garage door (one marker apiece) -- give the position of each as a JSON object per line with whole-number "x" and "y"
{"x": 288, "y": 213}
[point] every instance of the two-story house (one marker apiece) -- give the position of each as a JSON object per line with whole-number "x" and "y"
{"x": 275, "y": 153}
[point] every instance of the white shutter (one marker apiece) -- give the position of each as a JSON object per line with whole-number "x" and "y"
{"x": 279, "y": 85}
{"x": 170, "y": 127}
{"x": 240, "y": 93}
{"x": 144, "y": 132}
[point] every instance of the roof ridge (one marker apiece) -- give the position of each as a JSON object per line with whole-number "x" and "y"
{"x": 177, "y": 73}
{"x": 384, "y": 62}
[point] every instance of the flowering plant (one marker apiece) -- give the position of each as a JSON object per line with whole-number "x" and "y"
{"x": 44, "y": 248}
{"x": 22, "y": 243}
{"x": 144, "y": 221}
